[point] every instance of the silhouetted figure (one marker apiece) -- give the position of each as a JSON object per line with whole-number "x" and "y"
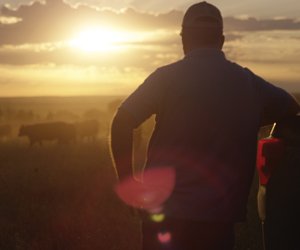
{"x": 208, "y": 112}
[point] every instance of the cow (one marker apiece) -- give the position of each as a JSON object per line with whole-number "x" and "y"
{"x": 55, "y": 131}
{"x": 87, "y": 129}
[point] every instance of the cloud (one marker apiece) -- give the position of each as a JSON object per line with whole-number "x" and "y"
{"x": 56, "y": 21}
{"x": 266, "y": 47}
{"x": 253, "y": 24}
{"x": 147, "y": 57}
{"x": 68, "y": 80}
{"x": 36, "y": 33}
{"x": 256, "y": 8}
{"x": 9, "y": 20}
{"x": 15, "y": 4}
{"x": 40, "y": 23}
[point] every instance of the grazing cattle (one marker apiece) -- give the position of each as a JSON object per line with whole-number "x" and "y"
{"x": 5, "y": 131}
{"x": 87, "y": 129}
{"x": 55, "y": 131}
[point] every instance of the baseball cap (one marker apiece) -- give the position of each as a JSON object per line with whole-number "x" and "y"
{"x": 195, "y": 15}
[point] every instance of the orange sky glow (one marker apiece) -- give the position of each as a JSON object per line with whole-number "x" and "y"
{"x": 56, "y": 49}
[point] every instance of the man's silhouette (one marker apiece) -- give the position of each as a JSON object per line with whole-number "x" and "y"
{"x": 208, "y": 112}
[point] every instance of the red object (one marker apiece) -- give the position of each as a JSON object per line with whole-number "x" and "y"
{"x": 269, "y": 153}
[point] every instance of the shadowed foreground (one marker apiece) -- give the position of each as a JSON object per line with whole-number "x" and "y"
{"x": 61, "y": 197}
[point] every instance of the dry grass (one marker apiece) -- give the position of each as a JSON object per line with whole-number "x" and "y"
{"x": 61, "y": 197}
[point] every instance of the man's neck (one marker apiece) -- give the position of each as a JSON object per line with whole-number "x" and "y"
{"x": 188, "y": 50}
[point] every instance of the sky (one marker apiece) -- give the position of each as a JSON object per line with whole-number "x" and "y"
{"x": 108, "y": 47}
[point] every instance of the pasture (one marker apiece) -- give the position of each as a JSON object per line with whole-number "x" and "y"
{"x": 61, "y": 196}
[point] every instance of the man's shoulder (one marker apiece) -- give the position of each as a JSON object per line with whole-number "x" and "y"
{"x": 237, "y": 66}
{"x": 238, "y": 70}
{"x": 171, "y": 67}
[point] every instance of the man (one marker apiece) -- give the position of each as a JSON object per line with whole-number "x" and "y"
{"x": 208, "y": 112}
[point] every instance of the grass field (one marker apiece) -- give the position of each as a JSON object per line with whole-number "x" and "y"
{"x": 61, "y": 197}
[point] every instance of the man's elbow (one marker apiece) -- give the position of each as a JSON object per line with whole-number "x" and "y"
{"x": 123, "y": 121}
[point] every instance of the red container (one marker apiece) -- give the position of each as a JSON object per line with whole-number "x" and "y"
{"x": 269, "y": 153}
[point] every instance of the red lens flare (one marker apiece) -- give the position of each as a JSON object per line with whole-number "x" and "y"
{"x": 153, "y": 189}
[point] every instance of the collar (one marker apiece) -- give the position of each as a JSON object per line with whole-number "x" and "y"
{"x": 206, "y": 52}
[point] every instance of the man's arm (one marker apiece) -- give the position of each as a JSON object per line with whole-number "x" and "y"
{"x": 121, "y": 143}
{"x": 137, "y": 108}
{"x": 276, "y": 103}
{"x": 292, "y": 108}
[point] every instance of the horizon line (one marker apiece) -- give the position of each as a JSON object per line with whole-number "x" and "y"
{"x": 58, "y": 96}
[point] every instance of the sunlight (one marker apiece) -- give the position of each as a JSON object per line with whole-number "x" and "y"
{"x": 98, "y": 39}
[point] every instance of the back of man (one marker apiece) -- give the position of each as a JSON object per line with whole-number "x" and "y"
{"x": 208, "y": 112}
{"x": 207, "y": 119}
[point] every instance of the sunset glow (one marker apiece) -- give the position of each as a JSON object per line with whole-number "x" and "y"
{"x": 99, "y": 39}
{"x": 110, "y": 47}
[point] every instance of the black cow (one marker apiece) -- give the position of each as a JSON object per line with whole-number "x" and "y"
{"x": 55, "y": 131}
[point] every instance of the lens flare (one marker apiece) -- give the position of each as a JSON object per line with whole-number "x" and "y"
{"x": 150, "y": 194}
{"x": 156, "y": 210}
{"x": 164, "y": 237}
{"x": 157, "y": 217}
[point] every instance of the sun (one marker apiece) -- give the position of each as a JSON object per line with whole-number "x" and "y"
{"x": 100, "y": 39}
